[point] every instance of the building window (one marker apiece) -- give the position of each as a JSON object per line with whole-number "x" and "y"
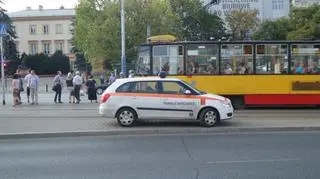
{"x": 59, "y": 29}
{"x": 33, "y": 29}
{"x": 59, "y": 46}
{"x": 70, "y": 46}
{"x": 45, "y": 29}
{"x": 70, "y": 28}
{"x": 46, "y": 48}
{"x": 33, "y": 48}
{"x": 277, "y": 4}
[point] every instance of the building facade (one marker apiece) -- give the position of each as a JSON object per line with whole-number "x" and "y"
{"x": 43, "y": 30}
{"x": 267, "y": 9}
{"x": 304, "y": 3}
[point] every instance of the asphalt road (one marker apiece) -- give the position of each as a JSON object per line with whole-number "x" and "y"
{"x": 241, "y": 156}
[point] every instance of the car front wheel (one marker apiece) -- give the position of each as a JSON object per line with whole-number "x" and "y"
{"x": 126, "y": 117}
{"x": 209, "y": 117}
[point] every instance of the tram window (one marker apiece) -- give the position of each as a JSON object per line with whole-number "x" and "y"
{"x": 143, "y": 62}
{"x": 168, "y": 58}
{"x": 273, "y": 60}
{"x": 236, "y": 59}
{"x": 202, "y": 59}
{"x": 305, "y": 59}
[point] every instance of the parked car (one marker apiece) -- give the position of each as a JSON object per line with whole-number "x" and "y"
{"x": 132, "y": 99}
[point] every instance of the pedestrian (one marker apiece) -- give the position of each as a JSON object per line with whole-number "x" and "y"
{"x": 70, "y": 88}
{"x": 121, "y": 75}
{"x": 112, "y": 79}
{"x": 102, "y": 79}
{"x": 131, "y": 74}
{"x": 91, "y": 89}
{"x": 57, "y": 86}
{"x": 33, "y": 85}
{"x": 26, "y": 79}
{"x": 21, "y": 87}
{"x": 77, "y": 82}
{"x": 15, "y": 90}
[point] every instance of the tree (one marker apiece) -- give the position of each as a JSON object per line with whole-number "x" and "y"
{"x": 241, "y": 22}
{"x": 305, "y": 22}
{"x": 97, "y": 27}
{"x": 273, "y": 30}
{"x": 194, "y": 20}
{"x": 39, "y": 62}
{"x": 43, "y": 64}
{"x": 81, "y": 64}
{"x": 60, "y": 62}
{"x": 10, "y": 49}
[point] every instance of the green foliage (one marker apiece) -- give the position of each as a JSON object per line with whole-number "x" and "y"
{"x": 273, "y": 30}
{"x": 44, "y": 64}
{"x": 97, "y": 26}
{"x": 10, "y": 49}
{"x": 194, "y": 22}
{"x": 303, "y": 23}
{"x": 242, "y": 22}
{"x": 81, "y": 64}
{"x": 60, "y": 62}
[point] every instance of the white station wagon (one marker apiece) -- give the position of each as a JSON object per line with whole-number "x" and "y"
{"x": 149, "y": 98}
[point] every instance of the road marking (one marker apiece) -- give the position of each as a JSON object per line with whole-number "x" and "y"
{"x": 251, "y": 161}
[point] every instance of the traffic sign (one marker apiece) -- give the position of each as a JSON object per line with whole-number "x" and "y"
{"x": 3, "y": 29}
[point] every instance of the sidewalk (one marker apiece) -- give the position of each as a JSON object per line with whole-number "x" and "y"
{"x": 83, "y": 119}
{"x": 43, "y": 98}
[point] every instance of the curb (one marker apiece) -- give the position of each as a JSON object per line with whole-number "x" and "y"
{"x": 159, "y": 131}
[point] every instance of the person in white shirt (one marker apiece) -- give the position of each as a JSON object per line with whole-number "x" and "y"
{"x": 131, "y": 74}
{"x": 77, "y": 82}
{"x": 33, "y": 82}
{"x": 26, "y": 79}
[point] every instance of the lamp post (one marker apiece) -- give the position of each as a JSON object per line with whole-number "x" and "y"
{"x": 123, "y": 45}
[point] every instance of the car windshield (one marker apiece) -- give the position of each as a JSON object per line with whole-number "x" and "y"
{"x": 193, "y": 88}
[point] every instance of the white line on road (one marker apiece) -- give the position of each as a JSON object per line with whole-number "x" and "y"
{"x": 252, "y": 161}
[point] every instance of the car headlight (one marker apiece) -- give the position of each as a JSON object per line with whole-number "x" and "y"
{"x": 227, "y": 103}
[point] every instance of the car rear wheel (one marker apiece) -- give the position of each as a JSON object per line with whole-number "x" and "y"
{"x": 126, "y": 117}
{"x": 209, "y": 117}
{"x": 99, "y": 91}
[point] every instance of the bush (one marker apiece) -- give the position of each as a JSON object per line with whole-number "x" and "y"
{"x": 43, "y": 64}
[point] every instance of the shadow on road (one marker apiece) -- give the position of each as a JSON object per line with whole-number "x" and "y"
{"x": 177, "y": 124}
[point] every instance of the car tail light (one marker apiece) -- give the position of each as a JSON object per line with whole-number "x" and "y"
{"x": 105, "y": 97}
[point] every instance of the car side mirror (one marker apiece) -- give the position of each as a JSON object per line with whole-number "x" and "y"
{"x": 187, "y": 92}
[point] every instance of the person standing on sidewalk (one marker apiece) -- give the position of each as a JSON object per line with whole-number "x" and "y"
{"x": 91, "y": 88}
{"x": 21, "y": 87}
{"x": 15, "y": 90}
{"x": 77, "y": 82}
{"x": 57, "y": 86}
{"x": 70, "y": 87}
{"x": 33, "y": 85}
{"x": 26, "y": 79}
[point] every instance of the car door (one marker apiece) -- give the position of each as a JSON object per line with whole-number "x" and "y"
{"x": 175, "y": 104}
{"x": 145, "y": 98}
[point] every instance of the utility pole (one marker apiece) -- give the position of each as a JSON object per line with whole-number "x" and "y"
{"x": 3, "y": 32}
{"x": 2, "y": 73}
{"x": 123, "y": 41}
